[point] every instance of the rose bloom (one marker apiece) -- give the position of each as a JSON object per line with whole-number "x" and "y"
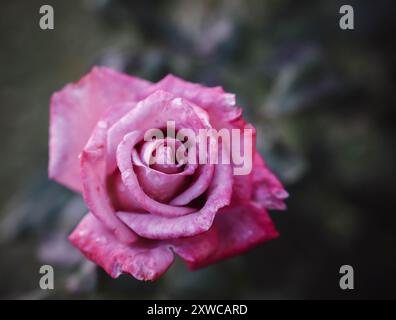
{"x": 142, "y": 214}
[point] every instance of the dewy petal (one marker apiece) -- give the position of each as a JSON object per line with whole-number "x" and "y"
{"x": 243, "y": 184}
{"x": 93, "y": 176}
{"x": 220, "y": 105}
{"x": 260, "y": 185}
{"x": 144, "y": 260}
{"x": 74, "y": 112}
{"x": 237, "y": 230}
{"x": 243, "y": 189}
{"x": 205, "y": 97}
{"x": 155, "y": 227}
{"x": 128, "y": 176}
{"x": 268, "y": 190}
{"x": 196, "y": 249}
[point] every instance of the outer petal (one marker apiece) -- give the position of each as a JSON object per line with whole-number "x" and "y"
{"x": 145, "y": 260}
{"x": 205, "y": 97}
{"x": 237, "y": 230}
{"x": 194, "y": 250}
{"x": 243, "y": 186}
{"x": 260, "y": 185}
{"x": 93, "y": 176}
{"x": 268, "y": 190}
{"x": 76, "y": 109}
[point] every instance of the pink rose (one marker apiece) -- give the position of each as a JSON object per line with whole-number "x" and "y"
{"x": 142, "y": 213}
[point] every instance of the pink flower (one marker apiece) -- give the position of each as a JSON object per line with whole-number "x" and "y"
{"x": 141, "y": 214}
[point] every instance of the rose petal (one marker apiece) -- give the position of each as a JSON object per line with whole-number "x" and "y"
{"x": 161, "y": 186}
{"x": 237, "y": 230}
{"x": 243, "y": 188}
{"x": 198, "y": 187}
{"x": 155, "y": 227}
{"x": 120, "y": 195}
{"x": 144, "y": 260}
{"x": 94, "y": 181}
{"x": 268, "y": 190}
{"x": 193, "y": 250}
{"x": 76, "y": 109}
{"x": 165, "y": 159}
{"x": 219, "y": 104}
{"x": 205, "y": 97}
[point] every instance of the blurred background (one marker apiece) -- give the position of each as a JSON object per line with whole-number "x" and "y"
{"x": 322, "y": 99}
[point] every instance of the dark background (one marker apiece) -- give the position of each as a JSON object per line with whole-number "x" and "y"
{"x": 322, "y": 99}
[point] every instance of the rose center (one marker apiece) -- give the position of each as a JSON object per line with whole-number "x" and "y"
{"x": 165, "y": 160}
{"x": 161, "y": 155}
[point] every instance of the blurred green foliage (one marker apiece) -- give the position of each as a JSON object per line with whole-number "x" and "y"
{"x": 321, "y": 98}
